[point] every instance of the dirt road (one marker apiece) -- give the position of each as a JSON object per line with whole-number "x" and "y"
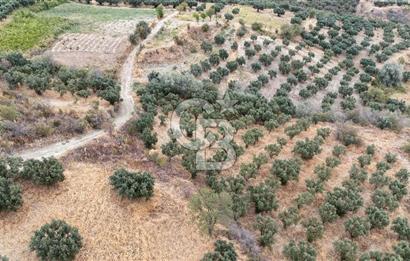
{"x": 125, "y": 112}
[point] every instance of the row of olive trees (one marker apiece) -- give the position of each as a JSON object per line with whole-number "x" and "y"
{"x": 42, "y": 74}
{"x": 46, "y": 172}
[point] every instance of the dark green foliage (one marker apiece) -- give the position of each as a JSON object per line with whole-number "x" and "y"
{"x": 141, "y": 32}
{"x": 264, "y": 198}
{"x": 267, "y": 228}
{"x": 364, "y": 160}
{"x": 286, "y": 170}
{"x": 344, "y": 200}
{"x": 289, "y": 217}
{"x": 328, "y": 212}
{"x": 133, "y": 185}
{"x": 219, "y": 39}
{"x": 10, "y": 195}
{"x": 357, "y": 174}
{"x": 224, "y": 251}
{"x": 171, "y": 149}
{"x": 377, "y": 217}
{"x": 403, "y": 250}
{"x": 273, "y": 149}
{"x": 56, "y": 241}
{"x": 378, "y": 179}
{"x": 402, "y": 228}
{"x": 398, "y": 189}
{"x": 338, "y": 150}
{"x": 346, "y": 249}
{"x": 43, "y": 74}
{"x": 248, "y": 170}
{"x": 239, "y": 205}
{"x": 314, "y": 229}
{"x": 332, "y": 162}
{"x": 301, "y": 251}
{"x": 305, "y": 198}
{"x": 307, "y": 148}
{"x": 357, "y": 226}
{"x": 390, "y": 75}
{"x": 206, "y": 47}
{"x": 196, "y": 70}
{"x": 323, "y": 172}
{"x": 252, "y": 136}
{"x": 384, "y": 200}
{"x": 47, "y": 171}
{"x": 403, "y": 175}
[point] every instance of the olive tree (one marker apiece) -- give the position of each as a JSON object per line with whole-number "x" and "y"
{"x": 133, "y": 185}
{"x": 390, "y": 75}
{"x": 56, "y": 241}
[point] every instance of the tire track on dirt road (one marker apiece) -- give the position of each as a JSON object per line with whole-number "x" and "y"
{"x": 125, "y": 112}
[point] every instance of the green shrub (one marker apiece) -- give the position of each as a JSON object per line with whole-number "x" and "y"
{"x": 390, "y": 75}
{"x": 348, "y": 136}
{"x": 264, "y": 198}
{"x": 286, "y": 170}
{"x": 289, "y": 217}
{"x": 314, "y": 229}
{"x": 56, "y": 241}
{"x": 346, "y": 249}
{"x": 133, "y": 185}
{"x": 377, "y": 217}
{"x": 223, "y": 251}
{"x": 47, "y": 171}
{"x": 267, "y": 228}
{"x": 403, "y": 250}
{"x": 357, "y": 226}
{"x": 301, "y": 251}
{"x": 307, "y": 148}
{"x": 10, "y": 195}
{"x": 384, "y": 200}
{"x": 402, "y": 228}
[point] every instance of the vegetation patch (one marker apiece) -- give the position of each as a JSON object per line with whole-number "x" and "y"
{"x": 90, "y": 13}
{"x": 27, "y": 30}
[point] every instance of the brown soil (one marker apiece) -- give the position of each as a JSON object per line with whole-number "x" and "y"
{"x": 112, "y": 228}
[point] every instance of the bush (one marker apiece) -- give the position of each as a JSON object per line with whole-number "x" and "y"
{"x": 390, "y": 75}
{"x": 56, "y": 241}
{"x": 346, "y": 249}
{"x": 307, "y": 148}
{"x": 384, "y": 200}
{"x": 314, "y": 229}
{"x": 264, "y": 198}
{"x": 133, "y": 185}
{"x": 302, "y": 251}
{"x": 267, "y": 228}
{"x": 403, "y": 250}
{"x": 289, "y": 217}
{"x": 402, "y": 228}
{"x": 348, "y": 136}
{"x": 344, "y": 200}
{"x": 219, "y": 39}
{"x": 141, "y": 32}
{"x": 328, "y": 212}
{"x": 338, "y": 150}
{"x": 286, "y": 170}
{"x": 47, "y": 171}
{"x": 10, "y": 195}
{"x": 378, "y": 218}
{"x": 252, "y": 136}
{"x": 357, "y": 226}
{"x": 223, "y": 251}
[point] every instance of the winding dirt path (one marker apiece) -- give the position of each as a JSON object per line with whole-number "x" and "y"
{"x": 125, "y": 112}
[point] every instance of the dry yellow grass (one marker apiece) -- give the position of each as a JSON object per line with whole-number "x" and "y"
{"x": 113, "y": 229}
{"x": 266, "y": 17}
